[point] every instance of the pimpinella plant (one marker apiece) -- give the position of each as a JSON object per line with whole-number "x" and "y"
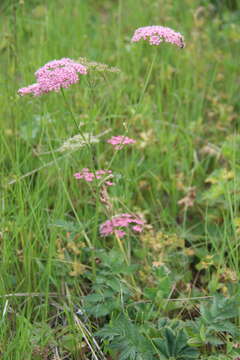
{"x": 155, "y": 35}
{"x": 56, "y": 76}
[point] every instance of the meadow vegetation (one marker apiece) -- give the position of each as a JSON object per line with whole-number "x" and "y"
{"x": 168, "y": 288}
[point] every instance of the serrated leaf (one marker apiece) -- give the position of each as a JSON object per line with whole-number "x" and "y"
{"x": 127, "y": 340}
{"x": 174, "y": 345}
{"x": 99, "y": 310}
{"x": 225, "y": 326}
{"x": 93, "y": 298}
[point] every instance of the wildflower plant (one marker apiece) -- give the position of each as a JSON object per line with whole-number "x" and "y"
{"x": 155, "y": 35}
{"x": 56, "y": 76}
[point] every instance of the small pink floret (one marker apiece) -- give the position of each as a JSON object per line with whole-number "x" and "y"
{"x": 156, "y": 34}
{"x": 137, "y": 228}
{"x": 119, "y": 141}
{"x": 109, "y": 183}
{"x": 115, "y": 225}
{"x": 155, "y": 40}
{"x": 54, "y": 76}
{"x": 120, "y": 233}
{"x": 34, "y": 89}
{"x": 89, "y": 176}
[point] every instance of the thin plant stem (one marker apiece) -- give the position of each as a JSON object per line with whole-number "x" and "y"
{"x": 69, "y": 199}
{"x": 119, "y": 17}
{"x": 79, "y": 130}
{"x": 122, "y": 249}
{"x": 116, "y": 151}
{"x": 148, "y": 77}
{"x": 72, "y": 114}
{"x": 96, "y": 196}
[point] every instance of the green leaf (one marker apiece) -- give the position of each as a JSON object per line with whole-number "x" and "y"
{"x": 93, "y": 298}
{"x": 126, "y": 339}
{"x": 174, "y": 345}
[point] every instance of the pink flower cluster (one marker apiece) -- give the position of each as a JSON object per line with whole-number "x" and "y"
{"x": 53, "y": 76}
{"x": 119, "y": 141}
{"x": 157, "y": 34}
{"x": 112, "y": 226}
{"x": 90, "y": 176}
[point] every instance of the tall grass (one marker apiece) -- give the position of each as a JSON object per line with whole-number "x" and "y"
{"x": 184, "y": 117}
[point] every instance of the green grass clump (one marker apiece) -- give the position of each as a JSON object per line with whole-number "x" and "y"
{"x": 172, "y": 291}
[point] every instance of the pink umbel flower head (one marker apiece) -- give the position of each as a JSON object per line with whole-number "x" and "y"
{"x": 89, "y": 176}
{"x": 115, "y": 225}
{"x": 119, "y": 141}
{"x": 34, "y": 89}
{"x": 156, "y": 34}
{"x": 53, "y": 76}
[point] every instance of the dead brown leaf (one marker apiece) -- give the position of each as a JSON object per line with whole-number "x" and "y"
{"x": 189, "y": 199}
